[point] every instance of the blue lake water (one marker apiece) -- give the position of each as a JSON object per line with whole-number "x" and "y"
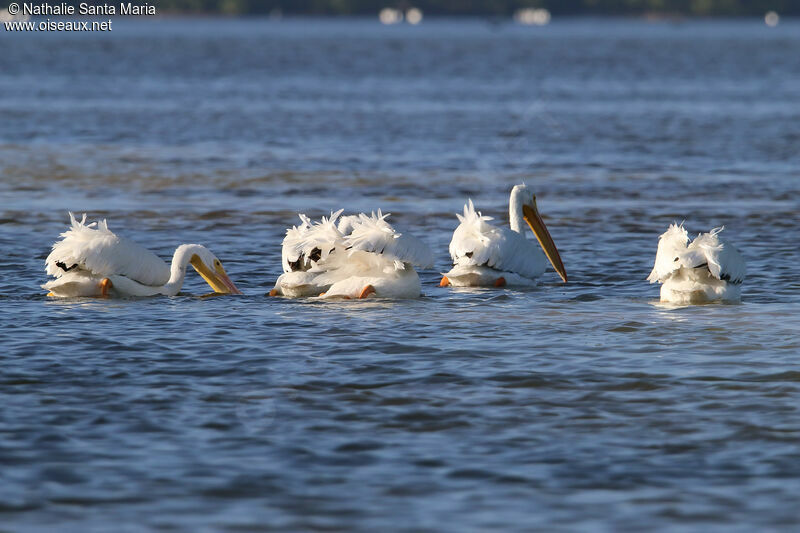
{"x": 584, "y": 406}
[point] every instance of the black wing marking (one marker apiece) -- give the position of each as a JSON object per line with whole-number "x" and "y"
{"x": 63, "y": 266}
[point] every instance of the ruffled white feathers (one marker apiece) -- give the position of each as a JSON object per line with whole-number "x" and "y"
{"x": 361, "y": 247}
{"x": 707, "y": 269}
{"x": 722, "y": 259}
{"x": 310, "y": 242}
{"x": 371, "y": 233}
{"x": 477, "y": 242}
{"x": 96, "y": 250}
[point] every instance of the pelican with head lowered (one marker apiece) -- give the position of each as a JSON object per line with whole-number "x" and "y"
{"x": 708, "y": 269}
{"x": 485, "y": 255}
{"x": 90, "y": 260}
{"x": 361, "y": 256}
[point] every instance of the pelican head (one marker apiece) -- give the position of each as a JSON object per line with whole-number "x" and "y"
{"x": 522, "y": 195}
{"x": 210, "y": 269}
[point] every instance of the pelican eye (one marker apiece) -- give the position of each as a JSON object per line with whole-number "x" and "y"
{"x": 676, "y": 258}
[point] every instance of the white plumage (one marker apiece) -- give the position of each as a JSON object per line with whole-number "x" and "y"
{"x": 303, "y": 247}
{"x": 707, "y": 269}
{"x": 484, "y": 254}
{"x": 310, "y": 242}
{"x": 291, "y": 250}
{"x": 91, "y": 260}
{"x": 364, "y": 255}
{"x": 371, "y": 233}
{"x": 476, "y": 242}
{"x": 94, "y": 248}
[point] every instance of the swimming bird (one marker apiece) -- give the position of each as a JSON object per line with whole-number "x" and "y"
{"x": 706, "y": 270}
{"x": 361, "y": 257}
{"x": 486, "y": 255}
{"x": 90, "y": 260}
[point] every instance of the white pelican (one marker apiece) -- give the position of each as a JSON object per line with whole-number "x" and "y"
{"x": 487, "y": 255}
{"x": 361, "y": 257}
{"x": 708, "y": 269}
{"x": 90, "y": 260}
